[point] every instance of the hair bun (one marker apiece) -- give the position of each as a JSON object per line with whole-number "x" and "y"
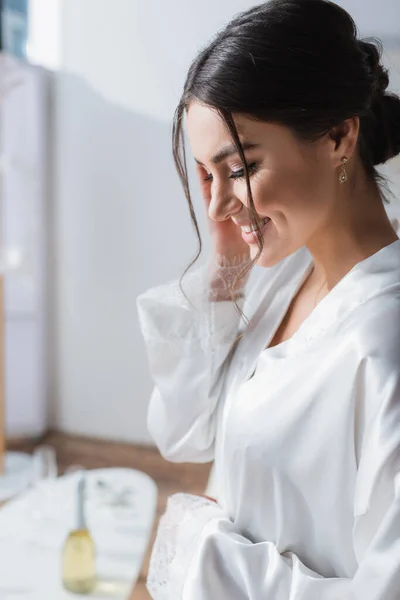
{"x": 391, "y": 110}
{"x": 373, "y": 54}
{"x": 382, "y": 125}
{"x": 382, "y": 128}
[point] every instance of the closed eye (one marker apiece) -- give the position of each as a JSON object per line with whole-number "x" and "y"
{"x": 239, "y": 174}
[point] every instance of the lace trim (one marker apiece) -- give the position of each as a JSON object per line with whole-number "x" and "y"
{"x": 175, "y": 542}
{"x": 224, "y": 273}
{"x": 202, "y": 314}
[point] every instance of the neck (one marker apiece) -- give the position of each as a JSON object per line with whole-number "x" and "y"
{"x": 358, "y": 228}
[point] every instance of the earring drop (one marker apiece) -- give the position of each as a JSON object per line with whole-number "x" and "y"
{"x": 343, "y": 173}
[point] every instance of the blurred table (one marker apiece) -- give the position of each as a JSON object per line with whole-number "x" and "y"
{"x": 120, "y": 508}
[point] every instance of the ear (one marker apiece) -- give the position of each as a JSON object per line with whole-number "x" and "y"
{"x": 344, "y": 139}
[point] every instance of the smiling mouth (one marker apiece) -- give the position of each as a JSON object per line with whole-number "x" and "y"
{"x": 251, "y": 229}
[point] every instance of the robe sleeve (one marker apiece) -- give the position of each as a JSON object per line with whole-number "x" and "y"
{"x": 188, "y": 339}
{"x": 212, "y": 559}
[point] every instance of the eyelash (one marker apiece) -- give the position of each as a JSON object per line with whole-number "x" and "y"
{"x": 240, "y": 174}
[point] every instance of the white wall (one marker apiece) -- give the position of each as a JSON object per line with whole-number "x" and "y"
{"x": 44, "y": 33}
{"x": 118, "y": 202}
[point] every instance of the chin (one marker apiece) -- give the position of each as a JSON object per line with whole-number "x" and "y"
{"x": 266, "y": 259}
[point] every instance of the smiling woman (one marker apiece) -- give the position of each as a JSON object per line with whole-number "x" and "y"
{"x": 288, "y": 115}
{"x": 283, "y": 139}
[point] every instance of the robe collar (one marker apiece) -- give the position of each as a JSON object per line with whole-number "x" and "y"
{"x": 376, "y": 275}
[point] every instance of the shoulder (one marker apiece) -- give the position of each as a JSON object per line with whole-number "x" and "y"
{"x": 378, "y": 328}
{"x": 376, "y": 342}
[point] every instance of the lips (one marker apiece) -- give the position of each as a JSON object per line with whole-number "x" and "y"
{"x": 248, "y": 227}
{"x": 251, "y": 236}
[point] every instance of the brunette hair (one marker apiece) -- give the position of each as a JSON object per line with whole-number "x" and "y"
{"x": 298, "y": 63}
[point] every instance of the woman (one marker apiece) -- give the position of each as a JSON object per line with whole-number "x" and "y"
{"x": 298, "y": 403}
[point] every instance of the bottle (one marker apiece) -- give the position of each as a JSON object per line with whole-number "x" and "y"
{"x": 79, "y": 552}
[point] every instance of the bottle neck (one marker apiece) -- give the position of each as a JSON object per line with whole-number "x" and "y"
{"x": 81, "y": 516}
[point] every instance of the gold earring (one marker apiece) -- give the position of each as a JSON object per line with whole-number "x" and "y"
{"x": 343, "y": 173}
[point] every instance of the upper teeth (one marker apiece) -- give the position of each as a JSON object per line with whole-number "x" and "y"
{"x": 250, "y": 228}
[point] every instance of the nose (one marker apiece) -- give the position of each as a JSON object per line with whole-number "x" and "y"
{"x": 223, "y": 204}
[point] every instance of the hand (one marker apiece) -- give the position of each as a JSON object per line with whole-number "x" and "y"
{"x": 226, "y": 236}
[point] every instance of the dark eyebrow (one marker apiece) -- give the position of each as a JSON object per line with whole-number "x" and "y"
{"x": 227, "y": 152}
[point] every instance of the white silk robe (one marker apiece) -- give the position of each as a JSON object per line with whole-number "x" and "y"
{"x": 305, "y": 436}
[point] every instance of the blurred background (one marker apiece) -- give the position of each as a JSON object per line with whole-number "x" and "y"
{"x": 92, "y": 213}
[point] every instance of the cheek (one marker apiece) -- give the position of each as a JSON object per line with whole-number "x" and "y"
{"x": 295, "y": 190}
{"x": 271, "y": 190}
{"x": 265, "y": 186}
